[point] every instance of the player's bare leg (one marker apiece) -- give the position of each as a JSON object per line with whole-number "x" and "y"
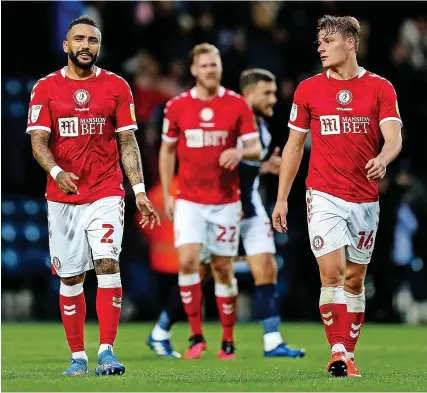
{"x": 226, "y": 292}
{"x": 354, "y": 292}
{"x": 73, "y": 313}
{"x": 264, "y": 271}
{"x": 191, "y": 296}
{"x": 159, "y": 339}
{"x": 333, "y": 308}
{"x": 108, "y": 307}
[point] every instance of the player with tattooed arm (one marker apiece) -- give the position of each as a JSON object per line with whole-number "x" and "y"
{"x": 81, "y": 120}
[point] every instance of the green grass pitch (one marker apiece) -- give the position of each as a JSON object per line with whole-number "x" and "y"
{"x": 391, "y": 358}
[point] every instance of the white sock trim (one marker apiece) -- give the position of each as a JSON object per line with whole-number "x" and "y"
{"x": 227, "y": 290}
{"x": 109, "y": 280}
{"x": 70, "y": 290}
{"x": 79, "y": 355}
{"x": 331, "y": 295}
{"x": 160, "y": 334}
{"x": 104, "y": 347}
{"x": 188, "y": 279}
{"x": 338, "y": 348}
{"x": 355, "y": 303}
{"x": 272, "y": 340}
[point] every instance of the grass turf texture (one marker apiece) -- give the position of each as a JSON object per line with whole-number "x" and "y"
{"x": 390, "y": 357}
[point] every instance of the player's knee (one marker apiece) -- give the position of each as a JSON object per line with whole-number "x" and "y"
{"x": 355, "y": 277}
{"x": 264, "y": 269}
{"x": 354, "y": 283}
{"x": 332, "y": 269}
{"x": 106, "y": 266}
{"x": 70, "y": 281}
{"x": 223, "y": 272}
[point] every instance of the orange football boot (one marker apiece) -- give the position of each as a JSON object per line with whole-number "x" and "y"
{"x": 338, "y": 365}
{"x": 352, "y": 370}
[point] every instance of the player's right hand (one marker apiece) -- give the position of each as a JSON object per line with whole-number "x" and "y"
{"x": 65, "y": 182}
{"x": 279, "y": 216}
{"x": 170, "y": 207}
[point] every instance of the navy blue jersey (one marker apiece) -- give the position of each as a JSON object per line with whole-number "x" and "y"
{"x": 249, "y": 175}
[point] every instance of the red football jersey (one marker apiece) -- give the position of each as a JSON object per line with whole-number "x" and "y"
{"x": 344, "y": 117}
{"x": 203, "y": 130}
{"x": 83, "y": 117}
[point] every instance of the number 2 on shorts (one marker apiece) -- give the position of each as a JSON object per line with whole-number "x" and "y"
{"x": 110, "y": 231}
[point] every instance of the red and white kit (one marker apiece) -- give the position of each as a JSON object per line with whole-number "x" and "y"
{"x": 83, "y": 117}
{"x": 344, "y": 118}
{"x": 208, "y": 208}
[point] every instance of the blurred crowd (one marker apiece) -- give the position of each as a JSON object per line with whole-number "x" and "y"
{"x": 147, "y": 43}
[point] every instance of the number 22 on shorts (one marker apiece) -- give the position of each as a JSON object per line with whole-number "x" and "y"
{"x": 226, "y": 234}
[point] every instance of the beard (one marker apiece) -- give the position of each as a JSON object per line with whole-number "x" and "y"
{"x": 85, "y": 66}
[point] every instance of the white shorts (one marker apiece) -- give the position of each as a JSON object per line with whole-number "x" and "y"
{"x": 334, "y": 223}
{"x": 257, "y": 235}
{"x": 81, "y": 234}
{"x": 217, "y": 227}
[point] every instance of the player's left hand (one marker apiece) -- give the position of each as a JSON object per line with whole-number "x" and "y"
{"x": 376, "y": 168}
{"x": 272, "y": 165}
{"x": 230, "y": 158}
{"x": 149, "y": 213}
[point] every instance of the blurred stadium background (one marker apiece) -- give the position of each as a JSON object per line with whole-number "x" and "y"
{"x": 147, "y": 43}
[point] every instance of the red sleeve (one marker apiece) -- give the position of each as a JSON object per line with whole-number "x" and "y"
{"x": 247, "y": 128}
{"x": 170, "y": 129}
{"x": 299, "y": 119}
{"x": 38, "y": 113}
{"x": 125, "y": 110}
{"x": 388, "y": 107}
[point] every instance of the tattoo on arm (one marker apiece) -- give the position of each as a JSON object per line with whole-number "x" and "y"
{"x": 106, "y": 266}
{"x": 41, "y": 151}
{"x": 130, "y": 157}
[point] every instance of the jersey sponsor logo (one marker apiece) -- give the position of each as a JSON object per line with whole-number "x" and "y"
{"x": 344, "y": 97}
{"x": 198, "y": 138}
{"x": 355, "y": 124}
{"x": 81, "y": 97}
{"x": 294, "y": 112}
{"x": 71, "y": 127}
{"x": 194, "y": 138}
{"x": 330, "y": 125}
{"x": 132, "y": 112}
{"x": 35, "y": 112}
{"x": 68, "y": 126}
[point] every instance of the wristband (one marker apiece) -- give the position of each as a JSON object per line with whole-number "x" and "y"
{"x": 137, "y": 188}
{"x": 55, "y": 170}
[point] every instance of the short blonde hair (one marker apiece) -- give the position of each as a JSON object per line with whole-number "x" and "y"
{"x": 201, "y": 49}
{"x": 348, "y": 26}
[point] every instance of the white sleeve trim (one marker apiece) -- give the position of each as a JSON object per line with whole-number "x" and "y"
{"x": 391, "y": 119}
{"x": 168, "y": 138}
{"x": 304, "y": 130}
{"x": 252, "y": 135}
{"x": 32, "y": 128}
{"x": 132, "y": 127}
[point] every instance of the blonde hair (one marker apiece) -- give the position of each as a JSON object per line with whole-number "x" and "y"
{"x": 348, "y": 26}
{"x": 201, "y": 49}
